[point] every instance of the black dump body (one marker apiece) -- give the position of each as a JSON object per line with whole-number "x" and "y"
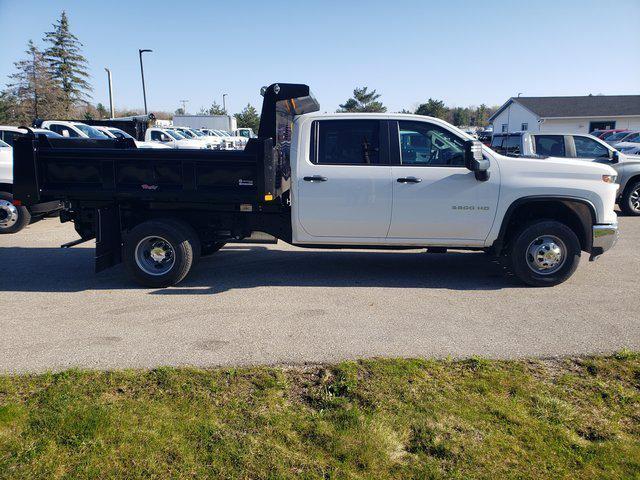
{"x": 109, "y": 186}
{"x": 102, "y": 170}
{"x": 115, "y": 170}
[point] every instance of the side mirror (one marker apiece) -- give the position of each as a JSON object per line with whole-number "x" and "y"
{"x": 615, "y": 156}
{"x": 475, "y": 161}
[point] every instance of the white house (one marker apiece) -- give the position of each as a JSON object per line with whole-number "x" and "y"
{"x": 568, "y": 114}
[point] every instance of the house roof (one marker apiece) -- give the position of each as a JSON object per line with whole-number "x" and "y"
{"x": 584, "y": 106}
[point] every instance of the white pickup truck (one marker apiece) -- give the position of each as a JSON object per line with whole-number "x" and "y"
{"x": 334, "y": 181}
{"x": 168, "y": 137}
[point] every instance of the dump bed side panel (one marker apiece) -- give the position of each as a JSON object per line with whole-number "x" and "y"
{"x": 104, "y": 169}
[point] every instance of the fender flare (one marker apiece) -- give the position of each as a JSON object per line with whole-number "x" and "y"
{"x": 566, "y": 200}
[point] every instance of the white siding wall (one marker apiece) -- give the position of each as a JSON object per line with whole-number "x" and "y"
{"x": 515, "y": 115}
{"x": 581, "y": 125}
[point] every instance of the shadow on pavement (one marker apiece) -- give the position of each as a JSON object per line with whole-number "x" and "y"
{"x": 244, "y": 267}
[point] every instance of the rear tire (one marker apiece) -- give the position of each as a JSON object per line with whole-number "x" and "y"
{"x": 12, "y": 218}
{"x": 544, "y": 253}
{"x": 630, "y": 201}
{"x": 160, "y": 253}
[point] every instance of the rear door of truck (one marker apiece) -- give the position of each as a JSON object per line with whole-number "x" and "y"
{"x": 344, "y": 179}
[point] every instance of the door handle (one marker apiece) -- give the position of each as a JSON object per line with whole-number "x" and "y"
{"x": 409, "y": 180}
{"x": 315, "y": 178}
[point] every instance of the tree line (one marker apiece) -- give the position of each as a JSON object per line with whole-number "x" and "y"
{"x": 364, "y": 100}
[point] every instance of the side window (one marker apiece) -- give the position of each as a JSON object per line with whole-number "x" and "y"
{"x": 156, "y": 136}
{"x": 589, "y": 148}
{"x": 426, "y": 144}
{"x": 346, "y": 142}
{"x": 550, "y": 145}
{"x": 9, "y": 137}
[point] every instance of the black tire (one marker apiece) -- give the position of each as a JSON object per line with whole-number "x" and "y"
{"x": 176, "y": 243}
{"x": 12, "y": 218}
{"x": 542, "y": 236}
{"x": 630, "y": 200}
{"x": 211, "y": 248}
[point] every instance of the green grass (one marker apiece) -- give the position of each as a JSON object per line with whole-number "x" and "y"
{"x": 570, "y": 418}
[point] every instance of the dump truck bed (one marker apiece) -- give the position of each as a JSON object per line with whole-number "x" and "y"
{"x": 106, "y": 170}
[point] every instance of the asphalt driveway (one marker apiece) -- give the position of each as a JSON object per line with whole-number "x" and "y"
{"x": 280, "y": 304}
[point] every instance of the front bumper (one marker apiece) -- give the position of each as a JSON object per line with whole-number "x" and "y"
{"x": 604, "y": 237}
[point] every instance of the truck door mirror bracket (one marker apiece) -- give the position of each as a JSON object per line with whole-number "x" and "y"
{"x": 475, "y": 161}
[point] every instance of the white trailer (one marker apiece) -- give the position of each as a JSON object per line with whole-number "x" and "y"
{"x": 213, "y": 122}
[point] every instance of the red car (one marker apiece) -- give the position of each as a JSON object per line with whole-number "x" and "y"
{"x": 602, "y": 134}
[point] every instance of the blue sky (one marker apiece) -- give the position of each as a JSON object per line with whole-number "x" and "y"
{"x": 463, "y": 52}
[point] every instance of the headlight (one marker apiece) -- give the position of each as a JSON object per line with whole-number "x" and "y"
{"x": 609, "y": 178}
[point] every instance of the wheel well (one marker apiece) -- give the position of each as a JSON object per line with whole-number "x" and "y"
{"x": 576, "y": 215}
{"x": 630, "y": 182}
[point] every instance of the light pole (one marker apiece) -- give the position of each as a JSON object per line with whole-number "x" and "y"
{"x": 184, "y": 106}
{"x": 144, "y": 92}
{"x": 224, "y": 101}
{"x": 111, "y": 110}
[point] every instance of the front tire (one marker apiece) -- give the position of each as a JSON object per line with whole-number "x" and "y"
{"x": 160, "y": 253}
{"x": 630, "y": 201}
{"x": 12, "y": 218}
{"x": 545, "y": 253}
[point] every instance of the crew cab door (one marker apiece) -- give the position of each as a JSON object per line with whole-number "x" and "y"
{"x": 344, "y": 181}
{"x": 436, "y": 199}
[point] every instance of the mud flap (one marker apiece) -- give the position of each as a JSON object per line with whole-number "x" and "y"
{"x": 108, "y": 238}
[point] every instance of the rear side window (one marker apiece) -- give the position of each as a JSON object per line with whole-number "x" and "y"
{"x": 507, "y": 144}
{"x": 346, "y": 142}
{"x": 550, "y": 145}
{"x": 589, "y": 148}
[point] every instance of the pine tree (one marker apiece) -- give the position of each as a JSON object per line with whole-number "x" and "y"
{"x": 433, "y": 108}
{"x": 32, "y": 91}
{"x": 68, "y": 65}
{"x": 248, "y": 118}
{"x": 215, "y": 109}
{"x": 363, "y": 101}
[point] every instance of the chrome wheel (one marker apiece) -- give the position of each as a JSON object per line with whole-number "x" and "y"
{"x": 634, "y": 200}
{"x": 8, "y": 214}
{"x": 155, "y": 256}
{"x": 546, "y": 254}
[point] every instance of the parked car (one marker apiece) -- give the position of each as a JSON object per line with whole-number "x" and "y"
{"x": 602, "y": 134}
{"x": 620, "y": 137}
{"x": 245, "y": 132}
{"x": 171, "y": 139}
{"x": 73, "y": 129}
{"x": 582, "y": 147}
{"x": 347, "y": 180}
{"x": 629, "y": 147}
{"x": 630, "y": 137}
{"x": 113, "y": 132}
{"x": 225, "y": 142}
{"x": 15, "y": 217}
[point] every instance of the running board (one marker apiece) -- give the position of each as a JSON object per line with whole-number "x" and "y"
{"x": 75, "y": 242}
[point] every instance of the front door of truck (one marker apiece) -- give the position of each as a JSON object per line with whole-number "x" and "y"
{"x": 435, "y": 198}
{"x": 344, "y": 183}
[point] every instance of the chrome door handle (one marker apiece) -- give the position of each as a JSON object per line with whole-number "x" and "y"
{"x": 315, "y": 178}
{"x": 409, "y": 180}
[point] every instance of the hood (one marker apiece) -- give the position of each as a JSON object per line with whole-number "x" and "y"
{"x": 187, "y": 142}
{"x": 555, "y": 166}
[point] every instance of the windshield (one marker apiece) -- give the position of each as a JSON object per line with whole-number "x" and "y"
{"x": 174, "y": 135}
{"x": 120, "y": 133}
{"x": 197, "y": 133}
{"x": 617, "y": 136}
{"x": 186, "y": 133}
{"x": 222, "y": 133}
{"x": 90, "y": 131}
